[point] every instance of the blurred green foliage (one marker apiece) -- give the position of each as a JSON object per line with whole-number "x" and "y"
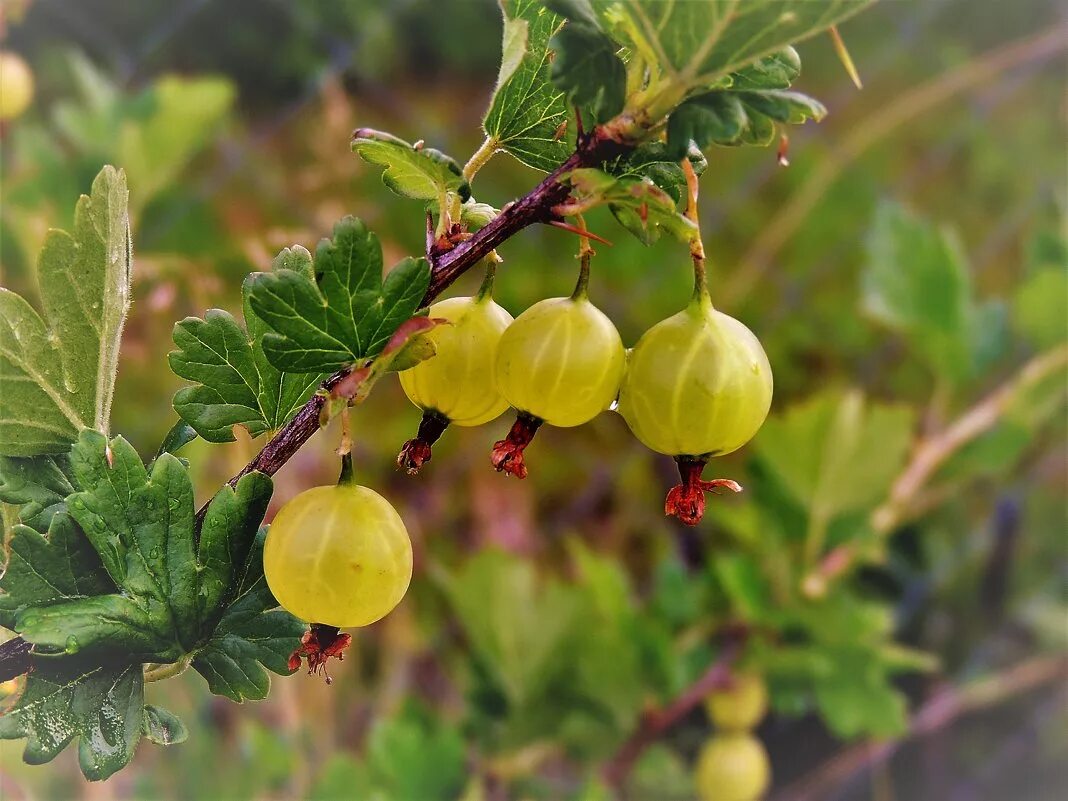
{"x": 545, "y": 616}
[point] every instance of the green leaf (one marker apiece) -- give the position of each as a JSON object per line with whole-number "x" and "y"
{"x": 57, "y": 374}
{"x": 857, "y": 699}
{"x": 522, "y": 635}
{"x": 39, "y": 485}
{"x": 141, "y": 523}
{"x": 184, "y": 114}
{"x": 180, "y": 435}
{"x": 587, "y": 69}
{"x": 652, "y": 161}
{"x": 252, "y": 637}
{"x": 637, "y": 203}
{"x": 1040, "y": 307}
{"x": 705, "y": 40}
{"x": 916, "y": 282}
{"x": 412, "y": 171}
{"x": 415, "y": 757}
{"x": 237, "y": 385}
{"x": 744, "y": 584}
{"x": 527, "y": 109}
{"x": 43, "y": 570}
{"x": 163, "y": 727}
{"x": 836, "y": 454}
{"x": 347, "y": 313}
{"x": 64, "y": 699}
{"x": 738, "y": 118}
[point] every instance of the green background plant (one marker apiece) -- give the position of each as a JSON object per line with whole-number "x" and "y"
{"x": 603, "y": 605}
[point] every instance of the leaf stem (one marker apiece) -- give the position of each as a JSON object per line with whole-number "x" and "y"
{"x": 159, "y": 672}
{"x": 701, "y": 295}
{"x": 480, "y": 157}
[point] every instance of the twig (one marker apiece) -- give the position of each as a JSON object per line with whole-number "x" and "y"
{"x": 871, "y": 130}
{"x": 911, "y": 494}
{"x": 655, "y": 722}
{"x": 941, "y": 710}
{"x": 602, "y": 144}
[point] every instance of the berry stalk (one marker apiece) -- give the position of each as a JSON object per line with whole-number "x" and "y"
{"x": 417, "y": 452}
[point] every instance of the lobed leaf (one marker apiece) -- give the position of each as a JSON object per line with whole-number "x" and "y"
{"x": 64, "y": 699}
{"x": 346, "y": 313}
{"x": 38, "y": 485}
{"x": 44, "y": 570}
{"x": 412, "y": 171}
{"x": 57, "y": 372}
{"x": 252, "y": 637}
{"x": 236, "y": 384}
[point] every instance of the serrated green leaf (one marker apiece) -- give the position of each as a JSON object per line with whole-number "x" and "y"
{"x": 588, "y": 70}
{"x": 64, "y": 699}
{"x": 57, "y": 373}
{"x": 705, "y": 40}
{"x": 43, "y": 570}
{"x": 652, "y": 160}
{"x": 38, "y": 485}
{"x": 162, "y": 726}
{"x": 347, "y": 313}
{"x": 227, "y": 538}
{"x": 526, "y": 109}
{"x": 252, "y": 635}
{"x": 141, "y": 523}
{"x": 732, "y": 117}
{"x": 421, "y": 173}
{"x": 237, "y": 385}
{"x": 835, "y": 453}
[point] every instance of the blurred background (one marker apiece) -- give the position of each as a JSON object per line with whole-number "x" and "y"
{"x": 901, "y": 272}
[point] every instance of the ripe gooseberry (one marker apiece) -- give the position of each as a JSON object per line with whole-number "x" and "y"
{"x": 456, "y": 385}
{"x": 338, "y": 555}
{"x": 739, "y": 706}
{"x": 559, "y": 363}
{"x": 732, "y": 767}
{"x": 16, "y": 85}
{"x": 698, "y": 385}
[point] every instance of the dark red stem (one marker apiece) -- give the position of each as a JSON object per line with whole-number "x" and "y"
{"x": 417, "y": 452}
{"x": 507, "y": 453}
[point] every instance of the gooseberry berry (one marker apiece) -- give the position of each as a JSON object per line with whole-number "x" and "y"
{"x": 16, "y": 85}
{"x": 739, "y": 706}
{"x": 559, "y": 363}
{"x": 698, "y": 385}
{"x": 456, "y": 385}
{"x": 338, "y": 555}
{"x": 732, "y": 767}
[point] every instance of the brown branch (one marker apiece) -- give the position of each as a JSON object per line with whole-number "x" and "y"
{"x": 941, "y": 710}
{"x": 655, "y": 722}
{"x": 911, "y": 494}
{"x": 446, "y": 266}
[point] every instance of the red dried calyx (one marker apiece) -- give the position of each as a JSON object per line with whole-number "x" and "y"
{"x": 508, "y": 453}
{"x": 417, "y": 452}
{"x": 318, "y": 644}
{"x": 686, "y": 501}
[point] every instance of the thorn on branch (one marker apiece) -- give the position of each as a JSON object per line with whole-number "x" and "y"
{"x": 574, "y": 229}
